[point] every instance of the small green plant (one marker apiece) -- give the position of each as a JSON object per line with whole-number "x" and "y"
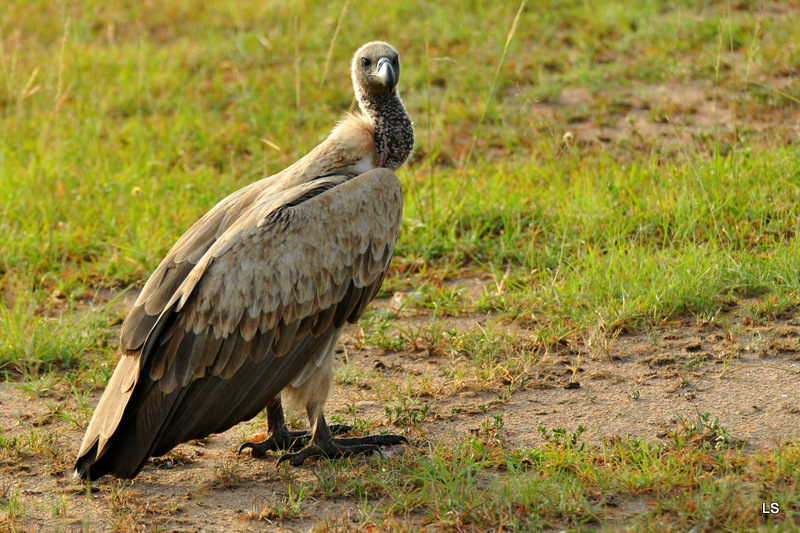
{"x": 703, "y": 432}
{"x": 356, "y": 421}
{"x": 403, "y": 414}
{"x": 36, "y": 384}
{"x": 383, "y": 333}
{"x": 125, "y": 509}
{"x": 442, "y": 300}
{"x": 40, "y": 442}
{"x": 348, "y": 374}
{"x": 574, "y": 367}
{"x": 289, "y": 508}
{"x": 13, "y": 513}
{"x": 598, "y": 341}
{"x": 696, "y": 361}
{"x": 560, "y": 438}
{"x": 493, "y": 425}
{"x": 11, "y": 444}
{"x": 56, "y": 506}
{"x": 229, "y": 474}
{"x": 497, "y": 421}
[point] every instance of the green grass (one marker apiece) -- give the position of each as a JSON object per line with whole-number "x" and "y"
{"x": 476, "y": 483}
{"x": 122, "y": 123}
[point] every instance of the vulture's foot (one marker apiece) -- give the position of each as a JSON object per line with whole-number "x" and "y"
{"x": 333, "y": 448}
{"x": 286, "y": 440}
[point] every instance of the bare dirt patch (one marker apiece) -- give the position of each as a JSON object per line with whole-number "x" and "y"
{"x": 676, "y": 119}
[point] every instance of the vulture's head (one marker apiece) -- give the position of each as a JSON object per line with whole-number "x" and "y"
{"x": 376, "y": 71}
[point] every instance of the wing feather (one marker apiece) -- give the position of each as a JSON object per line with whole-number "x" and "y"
{"x": 239, "y": 354}
{"x": 209, "y": 351}
{"x": 282, "y": 343}
{"x": 323, "y": 321}
{"x": 224, "y": 355}
{"x": 348, "y": 304}
{"x": 190, "y": 352}
{"x": 249, "y": 325}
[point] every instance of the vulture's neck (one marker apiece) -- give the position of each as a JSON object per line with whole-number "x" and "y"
{"x": 393, "y": 132}
{"x": 380, "y": 136}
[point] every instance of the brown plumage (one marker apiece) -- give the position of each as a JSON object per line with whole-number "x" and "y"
{"x": 251, "y": 300}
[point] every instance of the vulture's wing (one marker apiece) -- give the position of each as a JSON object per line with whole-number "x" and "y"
{"x": 179, "y": 262}
{"x": 267, "y": 296}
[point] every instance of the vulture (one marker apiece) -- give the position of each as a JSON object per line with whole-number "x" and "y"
{"x": 244, "y": 312}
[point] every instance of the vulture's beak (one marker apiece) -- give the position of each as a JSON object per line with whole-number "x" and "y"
{"x": 386, "y": 73}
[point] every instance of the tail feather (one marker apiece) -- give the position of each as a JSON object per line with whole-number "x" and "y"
{"x": 108, "y": 415}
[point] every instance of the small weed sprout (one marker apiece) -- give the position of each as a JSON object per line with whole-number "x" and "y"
{"x": 402, "y": 414}
{"x": 57, "y": 506}
{"x": 229, "y": 474}
{"x": 560, "y": 438}
{"x": 384, "y": 334}
{"x": 598, "y": 341}
{"x": 704, "y": 432}
{"x": 497, "y": 422}
{"x": 574, "y": 367}
{"x": 12, "y": 510}
{"x": 492, "y": 426}
{"x": 289, "y": 508}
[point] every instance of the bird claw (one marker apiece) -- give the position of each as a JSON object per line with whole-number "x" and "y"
{"x": 298, "y": 458}
{"x": 339, "y": 429}
{"x": 344, "y": 448}
{"x": 376, "y": 440}
{"x": 286, "y": 440}
{"x": 258, "y": 449}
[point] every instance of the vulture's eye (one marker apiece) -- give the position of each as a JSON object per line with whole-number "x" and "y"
{"x": 365, "y": 62}
{"x": 395, "y": 62}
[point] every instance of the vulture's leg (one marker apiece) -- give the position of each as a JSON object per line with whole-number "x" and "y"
{"x": 281, "y": 437}
{"x": 324, "y": 445}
